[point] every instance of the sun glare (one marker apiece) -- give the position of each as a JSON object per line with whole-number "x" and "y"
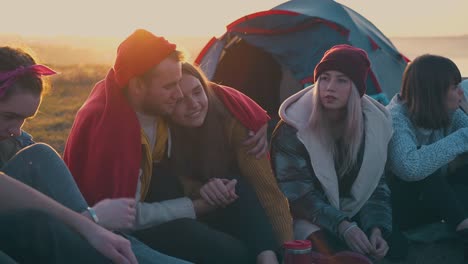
{"x": 209, "y": 17}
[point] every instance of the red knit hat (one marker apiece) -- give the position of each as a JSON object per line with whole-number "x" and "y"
{"x": 138, "y": 53}
{"x": 351, "y": 61}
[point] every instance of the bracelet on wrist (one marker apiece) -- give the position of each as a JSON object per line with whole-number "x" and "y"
{"x": 93, "y": 215}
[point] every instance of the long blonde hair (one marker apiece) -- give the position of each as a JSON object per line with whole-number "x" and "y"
{"x": 345, "y": 150}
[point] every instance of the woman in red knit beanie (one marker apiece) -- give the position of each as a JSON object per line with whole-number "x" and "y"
{"x": 329, "y": 152}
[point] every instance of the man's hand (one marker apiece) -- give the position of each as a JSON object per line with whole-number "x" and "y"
{"x": 259, "y": 142}
{"x": 116, "y": 214}
{"x": 202, "y": 207}
{"x": 219, "y": 192}
{"x": 380, "y": 245}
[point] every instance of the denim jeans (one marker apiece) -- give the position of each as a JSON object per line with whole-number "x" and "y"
{"x": 40, "y": 167}
{"x": 431, "y": 199}
{"x": 235, "y": 234}
{"x": 30, "y": 236}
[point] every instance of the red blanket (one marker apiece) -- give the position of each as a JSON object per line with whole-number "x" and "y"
{"x": 103, "y": 150}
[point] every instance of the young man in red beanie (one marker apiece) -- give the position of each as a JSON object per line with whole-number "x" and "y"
{"x": 121, "y": 133}
{"x": 105, "y": 148}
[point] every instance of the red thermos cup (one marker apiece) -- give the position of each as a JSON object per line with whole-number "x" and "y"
{"x": 297, "y": 252}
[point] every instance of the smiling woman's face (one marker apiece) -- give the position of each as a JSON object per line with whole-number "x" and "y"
{"x": 191, "y": 110}
{"x": 15, "y": 110}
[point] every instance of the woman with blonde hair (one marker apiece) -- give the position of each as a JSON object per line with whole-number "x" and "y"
{"x": 329, "y": 152}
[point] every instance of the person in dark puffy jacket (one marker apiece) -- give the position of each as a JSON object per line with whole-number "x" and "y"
{"x": 329, "y": 152}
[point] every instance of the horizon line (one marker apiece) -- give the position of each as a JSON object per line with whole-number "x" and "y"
{"x": 198, "y": 36}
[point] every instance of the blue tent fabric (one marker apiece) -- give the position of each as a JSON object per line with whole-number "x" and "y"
{"x": 298, "y": 32}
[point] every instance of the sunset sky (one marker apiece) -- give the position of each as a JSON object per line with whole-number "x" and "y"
{"x": 209, "y": 17}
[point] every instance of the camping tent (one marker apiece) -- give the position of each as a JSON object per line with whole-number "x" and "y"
{"x": 270, "y": 55}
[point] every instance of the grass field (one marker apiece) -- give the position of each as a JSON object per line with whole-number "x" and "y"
{"x": 68, "y": 91}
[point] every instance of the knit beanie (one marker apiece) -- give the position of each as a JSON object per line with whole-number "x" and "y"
{"x": 138, "y": 53}
{"x": 351, "y": 61}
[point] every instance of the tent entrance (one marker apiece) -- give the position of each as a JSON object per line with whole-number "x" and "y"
{"x": 257, "y": 74}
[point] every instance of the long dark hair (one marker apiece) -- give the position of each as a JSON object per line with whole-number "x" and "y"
{"x": 13, "y": 58}
{"x": 425, "y": 86}
{"x": 203, "y": 152}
